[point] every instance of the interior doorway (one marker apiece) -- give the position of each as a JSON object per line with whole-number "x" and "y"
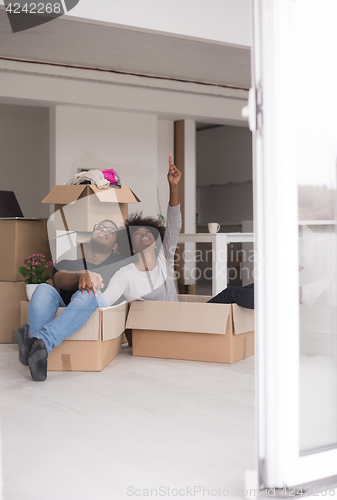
{"x": 224, "y": 192}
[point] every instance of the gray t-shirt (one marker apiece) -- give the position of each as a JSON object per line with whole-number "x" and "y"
{"x": 157, "y": 284}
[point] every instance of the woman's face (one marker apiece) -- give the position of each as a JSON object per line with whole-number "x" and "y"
{"x": 142, "y": 238}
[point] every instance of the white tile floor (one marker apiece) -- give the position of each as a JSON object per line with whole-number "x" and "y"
{"x": 141, "y": 423}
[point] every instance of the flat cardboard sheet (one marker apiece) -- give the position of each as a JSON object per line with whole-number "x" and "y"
{"x": 11, "y": 295}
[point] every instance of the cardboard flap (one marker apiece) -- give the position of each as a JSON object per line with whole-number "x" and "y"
{"x": 194, "y": 298}
{"x": 113, "y": 320}
{"x": 105, "y": 195}
{"x": 126, "y": 195}
{"x": 180, "y": 317}
{"x": 137, "y": 200}
{"x": 243, "y": 319}
{"x": 63, "y": 195}
{"x": 114, "y": 195}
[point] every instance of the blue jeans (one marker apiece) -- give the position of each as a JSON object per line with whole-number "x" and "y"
{"x": 42, "y": 309}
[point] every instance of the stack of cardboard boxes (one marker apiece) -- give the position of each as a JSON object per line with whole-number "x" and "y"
{"x": 20, "y": 238}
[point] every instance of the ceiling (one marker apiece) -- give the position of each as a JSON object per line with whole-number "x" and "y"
{"x": 67, "y": 41}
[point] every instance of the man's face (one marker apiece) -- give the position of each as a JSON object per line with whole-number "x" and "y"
{"x": 104, "y": 236}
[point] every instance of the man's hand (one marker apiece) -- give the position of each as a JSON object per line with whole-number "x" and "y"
{"x": 96, "y": 280}
{"x": 90, "y": 281}
{"x": 174, "y": 174}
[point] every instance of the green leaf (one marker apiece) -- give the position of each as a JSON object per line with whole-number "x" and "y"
{"x": 24, "y": 271}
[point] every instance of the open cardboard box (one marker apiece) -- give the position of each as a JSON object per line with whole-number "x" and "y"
{"x": 191, "y": 329}
{"x": 21, "y": 238}
{"x": 93, "y": 346}
{"x": 11, "y": 295}
{"x": 80, "y": 207}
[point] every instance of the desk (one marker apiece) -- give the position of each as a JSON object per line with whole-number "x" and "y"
{"x": 219, "y": 252}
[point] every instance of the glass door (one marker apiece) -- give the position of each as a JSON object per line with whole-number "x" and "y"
{"x": 293, "y": 115}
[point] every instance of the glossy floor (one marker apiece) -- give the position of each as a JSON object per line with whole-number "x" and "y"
{"x": 140, "y": 424}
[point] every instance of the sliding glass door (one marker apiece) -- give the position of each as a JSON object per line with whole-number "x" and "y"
{"x": 295, "y": 176}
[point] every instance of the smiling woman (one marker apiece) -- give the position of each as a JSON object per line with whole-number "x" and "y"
{"x": 140, "y": 228}
{"x": 150, "y": 276}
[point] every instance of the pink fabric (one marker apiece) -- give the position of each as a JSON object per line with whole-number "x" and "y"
{"x": 110, "y": 175}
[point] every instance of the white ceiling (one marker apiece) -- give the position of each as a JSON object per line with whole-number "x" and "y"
{"x": 77, "y": 43}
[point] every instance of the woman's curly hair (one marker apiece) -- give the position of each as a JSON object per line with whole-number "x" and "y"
{"x": 137, "y": 220}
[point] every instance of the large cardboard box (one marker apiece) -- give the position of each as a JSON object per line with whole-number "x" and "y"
{"x": 11, "y": 295}
{"x": 80, "y": 207}
{"x": 93, "y": 346}
{"x": 21, "y": 238}
{"x": 191, "y": 329}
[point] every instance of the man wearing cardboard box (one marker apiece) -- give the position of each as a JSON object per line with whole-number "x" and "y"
{"x": 79, "y": 282}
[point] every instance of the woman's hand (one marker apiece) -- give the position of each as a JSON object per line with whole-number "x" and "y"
{"x": 173, "y": 178}
{"x": 174, "y": 174}
{"x": 90, "y": 281}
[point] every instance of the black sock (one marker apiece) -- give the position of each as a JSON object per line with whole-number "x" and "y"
{"x": 24, "y": 342}
{"x": 37, "y": 360}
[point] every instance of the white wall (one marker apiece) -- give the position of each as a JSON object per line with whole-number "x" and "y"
{"x": 224, "y": 175}
{"x": 95, "y": 138}
{"x": 227, "y": 21}
{"x": 24, "y": 146}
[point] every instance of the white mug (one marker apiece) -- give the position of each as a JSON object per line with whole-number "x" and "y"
{"x": 213, "y": 227}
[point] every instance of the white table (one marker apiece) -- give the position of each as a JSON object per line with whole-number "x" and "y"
{"x": 219, "y": 252}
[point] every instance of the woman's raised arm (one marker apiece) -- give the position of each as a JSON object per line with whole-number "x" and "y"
{"x": 173, "y": 178}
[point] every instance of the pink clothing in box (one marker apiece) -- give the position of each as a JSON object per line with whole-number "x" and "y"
{"x": 111, "y": 176}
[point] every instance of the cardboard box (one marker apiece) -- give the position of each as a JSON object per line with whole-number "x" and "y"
{"x": 191, "y": 329}
{"x": 11, "y": 295}
{"x": 21, "y": 238}
{"x": 93, "y": 346}
{"x": 79, "y": 208}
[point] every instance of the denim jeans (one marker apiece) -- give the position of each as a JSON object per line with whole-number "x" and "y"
{"x": 42, "y": 309}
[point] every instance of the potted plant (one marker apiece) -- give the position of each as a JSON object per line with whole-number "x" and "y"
{"x": 35, "y": 274}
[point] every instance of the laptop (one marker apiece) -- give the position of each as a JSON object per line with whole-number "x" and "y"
{"x": 9, "y": 206}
